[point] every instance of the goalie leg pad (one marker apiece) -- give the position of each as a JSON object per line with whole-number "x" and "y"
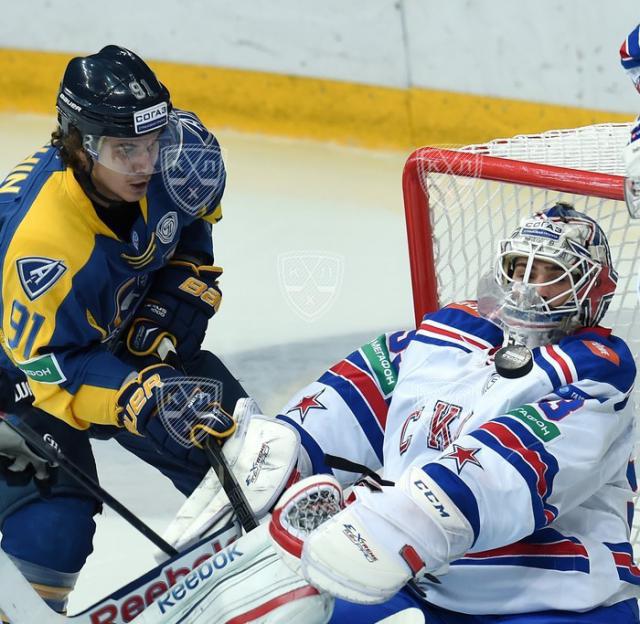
{"x": 246, "y": 582}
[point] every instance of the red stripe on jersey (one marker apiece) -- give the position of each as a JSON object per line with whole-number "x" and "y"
{"x": 511, "y": 441}
{"x": 626, "y": 561}
{"x": 370, "y": 391}
{"x": 556, "y": 549}
{"x": 549, "y": 515}
{"x": 450, "y": 334}
{"x": 566, "y": 371}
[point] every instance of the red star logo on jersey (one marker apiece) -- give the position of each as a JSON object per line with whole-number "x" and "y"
{"x": 307, "y": 403}
{"x": 463, "y": 456}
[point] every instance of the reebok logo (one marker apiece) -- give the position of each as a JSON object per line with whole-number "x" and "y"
{"x": 202, "y": 573}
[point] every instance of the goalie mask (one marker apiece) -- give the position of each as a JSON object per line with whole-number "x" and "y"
{"x": 552, "y": 275}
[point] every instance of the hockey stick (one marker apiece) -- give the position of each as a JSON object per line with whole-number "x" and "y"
{"x": 23, "y": 605}
{"x": 54, "y": 455}
{"x": 214, "y": 454}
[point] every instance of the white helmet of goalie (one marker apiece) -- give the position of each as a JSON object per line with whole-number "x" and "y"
{"x": 553, "y": 275}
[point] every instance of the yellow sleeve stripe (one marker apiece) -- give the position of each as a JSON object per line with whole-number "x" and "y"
{"x": 90, "y": 404}
{"x": 214, "y": 216}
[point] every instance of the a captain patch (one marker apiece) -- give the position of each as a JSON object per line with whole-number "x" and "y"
{"x": 38, "y": 274}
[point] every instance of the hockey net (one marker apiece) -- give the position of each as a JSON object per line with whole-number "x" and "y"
{"x": 459, "y": 203}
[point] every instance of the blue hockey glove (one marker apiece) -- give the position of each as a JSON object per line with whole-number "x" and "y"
{"x": 180, "y": 302}
{"x": 173, "y": 412}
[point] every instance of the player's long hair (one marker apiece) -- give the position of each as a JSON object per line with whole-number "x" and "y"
{"x": 70, "y": 147}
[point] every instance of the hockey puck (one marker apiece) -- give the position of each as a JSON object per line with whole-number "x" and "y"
{"x": 513, "y": 361}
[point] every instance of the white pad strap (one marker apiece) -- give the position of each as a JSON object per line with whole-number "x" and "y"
{"x": 262, "y": 454}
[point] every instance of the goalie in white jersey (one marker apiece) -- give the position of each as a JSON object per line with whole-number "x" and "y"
{"x": 508, "y": 483}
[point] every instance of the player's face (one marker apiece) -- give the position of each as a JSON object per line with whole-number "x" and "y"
{"x": 552, "y": 279}
{"x": 124, "y": 166}
{"x": 119, "y": 186}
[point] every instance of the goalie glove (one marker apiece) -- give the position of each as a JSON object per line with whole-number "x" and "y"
{"x": 367, "y": 551}
{"x": 264, "y": 454}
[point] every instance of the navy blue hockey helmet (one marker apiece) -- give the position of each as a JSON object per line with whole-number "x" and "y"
{"x": 114, "y": 94}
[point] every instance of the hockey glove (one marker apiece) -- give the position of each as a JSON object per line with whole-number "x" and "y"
{"x": 179, "y": 304}
{"x": 174, "y": 420}
{"x": 19, "y": 463}
{"x": 367, "y": 551}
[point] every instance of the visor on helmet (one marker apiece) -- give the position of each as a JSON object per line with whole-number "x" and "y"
{"x": 520, "y": 311}
{"x": 147, "y": 153}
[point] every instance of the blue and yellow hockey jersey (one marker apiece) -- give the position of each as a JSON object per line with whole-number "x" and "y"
{"x": 70, "y": 284}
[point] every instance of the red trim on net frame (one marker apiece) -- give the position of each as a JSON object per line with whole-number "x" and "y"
{"x": 468, "y": 164}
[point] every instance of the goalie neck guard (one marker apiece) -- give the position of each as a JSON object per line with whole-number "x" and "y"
{"x": 574, "y": 289}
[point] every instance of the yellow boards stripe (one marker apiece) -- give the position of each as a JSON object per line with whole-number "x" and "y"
{"x": 327, "y": 110}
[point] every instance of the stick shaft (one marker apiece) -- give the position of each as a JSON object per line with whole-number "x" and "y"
{"x": 214, "y": 454}
{"x": 56, "y": 456}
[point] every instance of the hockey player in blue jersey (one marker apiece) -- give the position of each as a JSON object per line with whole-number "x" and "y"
{"x": 502, "y": 429}
{"x": 105, "y": 251}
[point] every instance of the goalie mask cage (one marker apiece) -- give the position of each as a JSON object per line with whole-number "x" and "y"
{"x": 460, "y": 203}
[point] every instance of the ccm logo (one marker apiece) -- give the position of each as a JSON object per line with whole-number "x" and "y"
{"x": 429, "y": 494}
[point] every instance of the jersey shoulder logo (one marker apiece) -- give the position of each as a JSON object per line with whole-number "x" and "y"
{"x": 602, "y": 351}
{"x": 167, "y": 227}
{"x": 38, "y": 274}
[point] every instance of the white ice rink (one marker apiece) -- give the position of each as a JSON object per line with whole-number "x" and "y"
{"x": 306, "y": 227}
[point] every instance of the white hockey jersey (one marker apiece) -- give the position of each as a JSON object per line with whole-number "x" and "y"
{"x": 539, "y": 466}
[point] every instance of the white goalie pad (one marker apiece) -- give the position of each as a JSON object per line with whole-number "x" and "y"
{"x": 262, "y": 455}
{"x": 246, "y": 582}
